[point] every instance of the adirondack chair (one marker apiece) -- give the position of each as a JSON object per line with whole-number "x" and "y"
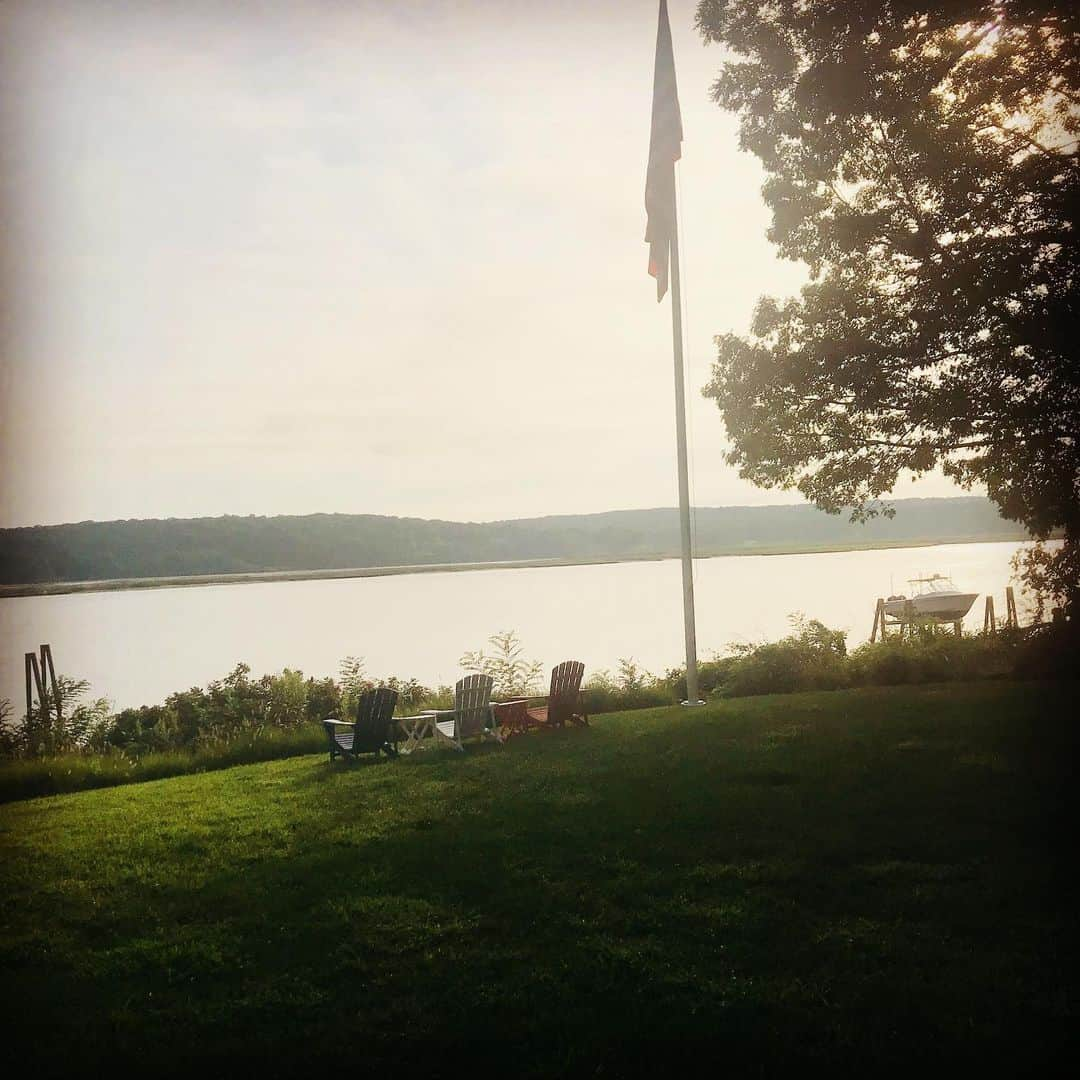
{"x": 565, "y": 703}
{"x": 470, "y": 716}
{"x": 372, "y": 730}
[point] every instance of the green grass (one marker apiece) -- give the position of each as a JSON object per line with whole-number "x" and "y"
{"x": 25, "y": 778}
{"x": 858, "y": 879}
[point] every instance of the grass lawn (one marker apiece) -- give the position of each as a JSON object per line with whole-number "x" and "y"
{"x": 870, "y": 878}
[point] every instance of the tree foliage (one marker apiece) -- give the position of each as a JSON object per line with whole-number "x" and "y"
{"x": 922, "y": 160}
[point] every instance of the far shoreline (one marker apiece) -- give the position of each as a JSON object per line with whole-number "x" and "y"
{"x": 185, "y": 581}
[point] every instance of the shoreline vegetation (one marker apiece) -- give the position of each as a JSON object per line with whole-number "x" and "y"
{"x": 181, "y": 581}
{"x": 241, "y": 718}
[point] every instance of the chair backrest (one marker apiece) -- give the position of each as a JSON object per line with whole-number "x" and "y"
{"x": 472, "y": 698}
{"x": 374, "y": 712}
{"x": 565, "y": 695}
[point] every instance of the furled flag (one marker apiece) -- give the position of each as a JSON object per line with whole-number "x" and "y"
{"x": 665, "y": 148}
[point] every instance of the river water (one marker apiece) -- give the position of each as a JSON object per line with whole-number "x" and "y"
{"x": 136, "y": 647}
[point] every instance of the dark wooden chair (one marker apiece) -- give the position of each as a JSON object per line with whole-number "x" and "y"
{"x": 372, "y": 731}
{"x": 565, "y": 704}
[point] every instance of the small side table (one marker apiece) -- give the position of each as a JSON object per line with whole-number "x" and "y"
{"x": 415, "y": 729}
{"x": 511, "y": 717}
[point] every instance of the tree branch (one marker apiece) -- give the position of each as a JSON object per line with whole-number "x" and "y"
{"x": 856, "y": 443}
{"x": 1023, "y": 136}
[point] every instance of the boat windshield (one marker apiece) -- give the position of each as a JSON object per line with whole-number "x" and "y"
{"x": 933, "y": 583}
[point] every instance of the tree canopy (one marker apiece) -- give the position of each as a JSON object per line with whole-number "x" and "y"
{"x": 922, "y": 160}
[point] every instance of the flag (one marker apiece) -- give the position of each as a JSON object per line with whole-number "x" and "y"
{"x": 665, "y": 148}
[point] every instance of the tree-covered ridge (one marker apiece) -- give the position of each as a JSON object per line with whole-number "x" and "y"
{"x": 96, "y": 550}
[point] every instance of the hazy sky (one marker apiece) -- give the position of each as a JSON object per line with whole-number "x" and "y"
{"x": 358, "y": 257}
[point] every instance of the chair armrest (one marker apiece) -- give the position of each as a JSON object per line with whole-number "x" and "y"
{"x": 339, "y": 723}
{"x": 512, "y": 701}
{"x": 437, "y": 712}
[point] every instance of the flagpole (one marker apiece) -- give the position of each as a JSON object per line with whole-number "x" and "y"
{"x": 662, "y": 236}
{"x": 689, "y": 630}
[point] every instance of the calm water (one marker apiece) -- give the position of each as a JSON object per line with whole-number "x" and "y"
{"x": 137, "y": 647}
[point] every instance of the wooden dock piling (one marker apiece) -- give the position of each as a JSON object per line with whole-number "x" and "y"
{"x": 41, "y": 677}
{"x": 879, "y": 621}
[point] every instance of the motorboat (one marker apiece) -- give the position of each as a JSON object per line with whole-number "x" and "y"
{"x": 933, "y": 598}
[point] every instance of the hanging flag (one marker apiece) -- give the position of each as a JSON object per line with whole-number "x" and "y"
{"x": 665, "y": 148}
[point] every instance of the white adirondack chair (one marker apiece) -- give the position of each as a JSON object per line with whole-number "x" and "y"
{"x": 470, "y": 716}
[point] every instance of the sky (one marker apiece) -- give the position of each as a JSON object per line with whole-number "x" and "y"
{"x": 359, "y": 257}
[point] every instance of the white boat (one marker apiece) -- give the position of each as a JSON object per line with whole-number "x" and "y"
{"x": 933, "y": 598}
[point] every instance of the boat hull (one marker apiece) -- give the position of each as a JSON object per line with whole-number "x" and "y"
{"x": 937, "y": 607}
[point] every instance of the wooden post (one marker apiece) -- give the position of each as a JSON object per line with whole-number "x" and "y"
{"x": 36, "y": 672}
{"x": 879, "y": 621}
{"x": 49, "y": 668}
{"x": 989, "y": 624}
{"x": 33, "y": 681}
{"x": 958, "y": 629}
{"x": 1011, "y": 619}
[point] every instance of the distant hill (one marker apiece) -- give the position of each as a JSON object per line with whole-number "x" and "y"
{"x": 95, "y": 550}
{"x": 91, "y": 551}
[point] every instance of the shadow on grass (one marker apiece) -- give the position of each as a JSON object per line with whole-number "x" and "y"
{"x": 649, "y": 895}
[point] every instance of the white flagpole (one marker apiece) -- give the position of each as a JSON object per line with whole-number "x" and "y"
{"x": 689, "y": 630}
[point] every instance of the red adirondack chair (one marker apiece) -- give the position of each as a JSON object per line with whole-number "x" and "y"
{"x": 565, "y": 704}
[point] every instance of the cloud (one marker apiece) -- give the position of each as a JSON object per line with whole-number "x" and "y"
{"x": 361, "y": 257}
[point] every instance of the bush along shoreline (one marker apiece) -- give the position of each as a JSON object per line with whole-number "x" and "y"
{"x": 239, "y": 720}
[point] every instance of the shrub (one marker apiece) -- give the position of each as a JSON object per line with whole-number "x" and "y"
{"x": 8, "y": 738}
{"x": 931, "y": 658}
{"x": 631, "y": 687}
{"x": 411, "y": 694}
{"x": 353, "y": 682}
{"x": 442, "y": 697}
{"x": 812, "y": 658}
{"x": 512, "y": 675}
{"x": 1050, "y": 653}
{"x": 712, "y": 675}
{"x": 139, "y": 731}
